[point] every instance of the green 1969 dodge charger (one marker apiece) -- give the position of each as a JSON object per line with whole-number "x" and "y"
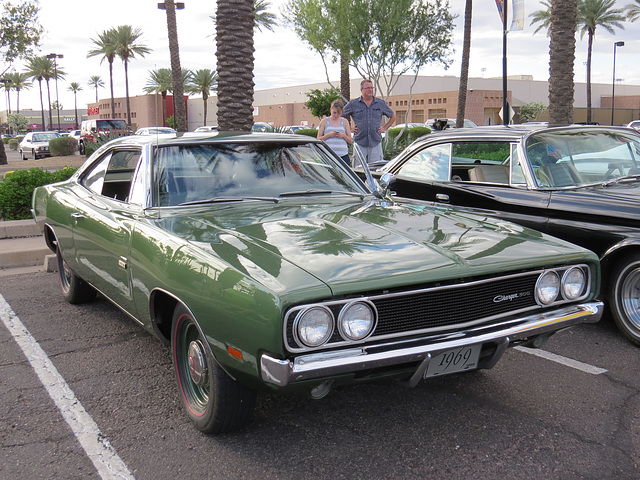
{"x": 267, "y": 264}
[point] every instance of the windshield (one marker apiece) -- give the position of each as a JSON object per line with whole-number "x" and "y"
{"x": 199, "y": 173}
{"x": 44, "y": 137}
{"x": 111, "y": 124}
{"x": 581, "y": 157}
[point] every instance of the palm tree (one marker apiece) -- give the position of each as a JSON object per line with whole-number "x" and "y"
{"x": 127, "y": 47}
{"x": 96, "y": 82}
{"x": 160, "y": 81}
{"x": 75, "y": 88}
{"x": 464, "y": 72}
{"x": 203, "y": 82}
{"x": 263, "y": 17}
{"x": 19, "y": 81}
{"x": 180, "y": 112}
{"x": 7, "y": 85}
{"x": 591, "y": 14}
{"x": 106, "y": 46}
{"x": 562, "y": 52}
{"x": 633, "y": 11}
{"x": 37, "y": 67}
{"x": 542, "y": 17}
{"x": 234, "y": 41}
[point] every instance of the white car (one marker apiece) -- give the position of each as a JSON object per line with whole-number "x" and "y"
{"x": 207, "y": 128}
{"x": 168, "y": 131}
{"x": 635, "y": 125}
{"x": 36, "y": 144}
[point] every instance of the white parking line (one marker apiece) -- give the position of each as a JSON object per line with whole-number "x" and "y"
{"x": 583, "y": 367}
{"x": 104, "y": 457}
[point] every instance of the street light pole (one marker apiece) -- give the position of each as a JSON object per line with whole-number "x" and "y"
{"x": 54, "y": 56}
{"x": 613, "y": 84}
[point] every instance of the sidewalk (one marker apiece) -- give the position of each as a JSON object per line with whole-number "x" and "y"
{"x": 22, "y": 248}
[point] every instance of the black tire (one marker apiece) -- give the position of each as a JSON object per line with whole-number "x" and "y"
{"x": 34, "y": 155}
{"x": 624, "y": 297}
{"x": 22, "y": 157}
{"x": 214, "y": 401}
{"x": 81, "y": 148}
{"x": 74, "y": 289}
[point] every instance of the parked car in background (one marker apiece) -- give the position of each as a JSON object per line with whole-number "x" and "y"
{"x": 635, "y": 125}
{"x": 579, "y": 183}
{"x": 292, "y": 128}
{"x": 267, "y": 264}
{"x": 437, "y": 124}
{"x": 165, "y": 131}
{"x": 91, "y": 129}
{"x": 36, "y": 145}
{"x": 75, "y": 134}
{"x": 207, "y": 128}
{"x": 262, "y": 127}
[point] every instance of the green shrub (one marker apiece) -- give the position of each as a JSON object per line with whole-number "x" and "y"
{"x": 13, "y": 143}
{"x": 397, "y": 140}
{"x": 311, "y": 132}
{"x": 63, "y": 146}
{"x": 17, "y": 189}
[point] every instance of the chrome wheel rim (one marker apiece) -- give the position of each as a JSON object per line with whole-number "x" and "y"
{"x": 630, "y": 297}
{"x": 192, "y": 365}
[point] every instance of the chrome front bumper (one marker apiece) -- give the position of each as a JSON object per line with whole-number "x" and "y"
{"x": 363, "y": 357}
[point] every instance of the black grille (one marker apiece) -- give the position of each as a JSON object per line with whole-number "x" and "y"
{"x": 441, "y": 308}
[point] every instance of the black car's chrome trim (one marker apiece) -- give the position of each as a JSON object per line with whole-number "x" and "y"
{"x": 420, "y": 350}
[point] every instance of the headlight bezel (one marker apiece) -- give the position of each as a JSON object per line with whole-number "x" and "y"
{"x": 344, "y": 311}
{"x": 565, "y": 281}
{"x": 302, "y": 315}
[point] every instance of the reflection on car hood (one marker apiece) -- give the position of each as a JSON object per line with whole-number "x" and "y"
{"x": 362, "y": 246}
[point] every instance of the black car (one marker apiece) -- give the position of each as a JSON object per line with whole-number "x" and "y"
{"x": 579, "y": 183}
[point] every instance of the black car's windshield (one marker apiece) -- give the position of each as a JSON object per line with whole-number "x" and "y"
{"x": 196, "y": 173}
{"x": 579, "y": 157}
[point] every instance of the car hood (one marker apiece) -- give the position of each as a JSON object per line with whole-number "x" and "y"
{"x": 364, "y": 245}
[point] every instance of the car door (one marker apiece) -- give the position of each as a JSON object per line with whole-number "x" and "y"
{"x": 501, "y": 191}
{"x": 103, "y": 224}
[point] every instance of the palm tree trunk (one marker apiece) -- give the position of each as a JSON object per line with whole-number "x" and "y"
{"x": 205, "y": 97}
{"x": 180, "y": 113}
{"x": 41, "y": 104}
{"x": 234, "y": 40}
{"x": 562, "y": 52}
{"x": 589, "y": 51}
{"x": 345, "y": 79}
{"x": 49, "y": 100}
{"x": 464, "y": 72}
{"x": 126, "y": 91}
{"x": 113, "y": 102}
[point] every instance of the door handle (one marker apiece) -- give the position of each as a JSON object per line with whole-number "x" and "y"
{"x": 442, "y": 197}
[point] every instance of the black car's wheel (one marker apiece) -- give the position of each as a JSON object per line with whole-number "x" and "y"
{"x": 624, "y": 297}
{"x": 74, "y": 289}
{"x": 214, "y": 401}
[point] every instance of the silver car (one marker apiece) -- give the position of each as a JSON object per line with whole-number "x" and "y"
{"x": 36, "y": 144}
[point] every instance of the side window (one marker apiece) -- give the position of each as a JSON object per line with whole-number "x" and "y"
{"x": 517, "y": 173}
{"x": 482, "y": 162}
{"x": 111, "y": 177}
{"x": 432, "y": 163}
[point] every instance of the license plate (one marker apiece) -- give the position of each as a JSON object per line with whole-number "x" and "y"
{"x": 454, "y": 360}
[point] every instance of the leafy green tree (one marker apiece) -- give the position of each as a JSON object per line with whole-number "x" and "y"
{"x": 20, "y": 31}
{"x": 591, "y": 14}
{"x": 202, "y": 82}
{"x": 95, "y": 82}
{"x": 327, "y": 27}
{"x": 127, "y": 48}
{"x": 17, "y": 122}
{"x": 75, "y": 88}
{"x": 530, "y": 111}
{"x": 319, "y": 103}
{"x": 234, "y": 42}
{"x": 106, "y": 45}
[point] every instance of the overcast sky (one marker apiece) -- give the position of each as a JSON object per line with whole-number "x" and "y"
{"x": 281, "y": 59}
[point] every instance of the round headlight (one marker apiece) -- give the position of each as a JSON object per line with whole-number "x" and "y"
{"x": 547, "y": 287}
{"x": 356, "y": 321}
{"x": 313, "y": 326}
{"x": 573, "y": 283}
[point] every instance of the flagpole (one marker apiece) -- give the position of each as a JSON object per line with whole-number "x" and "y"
{"x": 505, "y": 104}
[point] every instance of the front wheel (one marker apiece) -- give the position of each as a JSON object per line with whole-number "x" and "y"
{"x": 74, "y": 289}
{"x": 34, "y": 154}
{"x": 624, "y": 297}
{"x": 214, "y": 401}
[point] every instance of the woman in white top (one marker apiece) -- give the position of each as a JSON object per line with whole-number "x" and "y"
{"x": 336, "y": 132}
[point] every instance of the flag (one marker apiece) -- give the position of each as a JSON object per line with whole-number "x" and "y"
{"x": 516, "y": 10}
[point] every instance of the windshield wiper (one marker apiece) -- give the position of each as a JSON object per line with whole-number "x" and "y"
{"x": 624, "y": 178}
{"x": 228, "y": 199}
{"x": 315, "y": 191}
